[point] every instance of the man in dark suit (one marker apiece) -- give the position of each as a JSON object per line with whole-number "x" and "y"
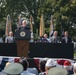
{"x": 24, "y": 26}
{"x": 66, "y": 38}
{"x": 44, "y": 38}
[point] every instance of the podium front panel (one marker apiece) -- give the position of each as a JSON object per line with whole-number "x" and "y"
{"x": 23, "y": 35}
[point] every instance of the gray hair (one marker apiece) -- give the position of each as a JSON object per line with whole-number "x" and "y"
{"x": 24, "y": 21}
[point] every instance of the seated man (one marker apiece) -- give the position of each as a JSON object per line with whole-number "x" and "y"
{"x": 25, "y": 65}
{"x": 44, "y": 38}
{"x": 42, "y": 67}
{"x": 66, "y": 38}
{"x": 10, "y": 38}
{"x": 55, "y": 38}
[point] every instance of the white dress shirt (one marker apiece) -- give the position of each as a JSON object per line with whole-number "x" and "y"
{"x": 9, "y": 39}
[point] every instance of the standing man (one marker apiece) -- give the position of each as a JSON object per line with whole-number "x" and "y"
{"x": 66, "y": 38}
{"x": 24, "y": 26}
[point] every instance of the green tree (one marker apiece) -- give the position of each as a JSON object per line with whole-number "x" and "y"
{"x": 64, "y": 12}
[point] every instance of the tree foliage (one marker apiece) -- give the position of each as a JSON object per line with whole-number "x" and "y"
{"x": 64, "y": 12}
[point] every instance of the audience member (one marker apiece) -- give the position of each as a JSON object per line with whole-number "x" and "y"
{"x": 49, "y": 64}
{"x": 57, "y": 71}
{"x": 25, "y": 65}
{"x": 66, "y": 38}
{"x": 46, "y": 39}
{"x": 10, "y": 38}
{"x": 68, "y": 66}
{"x": 74, "y": 69}
{"x": 33, "y": 70}
{"x": 13, "y": 69}
{"x": 55, "y": 38}
{"x": 42, "y": 67}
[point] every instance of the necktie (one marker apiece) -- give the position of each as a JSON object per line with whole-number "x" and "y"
{"x": 54, "y": 40}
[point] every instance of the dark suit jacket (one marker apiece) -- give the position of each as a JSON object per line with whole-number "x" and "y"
{"x": 44, "y": 40}
{"x": 69, "y": 40}
{"x": 24, "y": 28}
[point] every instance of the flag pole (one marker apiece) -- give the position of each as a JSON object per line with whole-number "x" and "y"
{"x": 31, "y": 26}
{"x": 51, "y": 26}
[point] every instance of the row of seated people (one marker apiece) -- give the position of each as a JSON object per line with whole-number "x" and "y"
{"x": 45, "y": 66}
{"x": 53, "y": 39}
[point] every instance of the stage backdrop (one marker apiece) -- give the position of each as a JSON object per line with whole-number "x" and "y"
{"x": 51, "y": 50}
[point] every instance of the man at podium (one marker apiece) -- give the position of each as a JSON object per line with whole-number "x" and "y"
{"x": 24, "y": 26}
{"x": 23, "y": 32}
{"x": 22, "y": 36}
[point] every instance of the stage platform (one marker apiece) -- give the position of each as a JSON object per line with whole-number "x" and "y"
{"x": 51, "y": 50}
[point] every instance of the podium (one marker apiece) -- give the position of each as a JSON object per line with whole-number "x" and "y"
{"x": 22, "y": 40}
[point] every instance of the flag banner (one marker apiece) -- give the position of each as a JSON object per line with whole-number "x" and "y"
{"x": 33, "y": 62}
{"x": 51, "y": 26}
{"x": 19, "y": 21}
{"x": 42, "y": 26}
{"x": 31, "y": 26}
{"x": 8, "y": 25}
